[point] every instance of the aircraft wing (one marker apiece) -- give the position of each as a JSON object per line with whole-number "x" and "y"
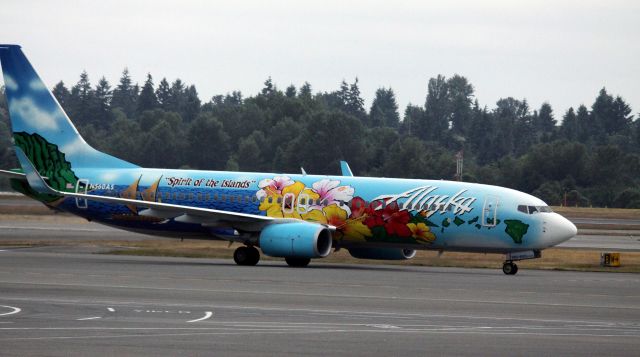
{"x": 187, "y": 214}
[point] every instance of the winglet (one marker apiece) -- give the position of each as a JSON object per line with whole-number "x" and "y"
{"x": 346, "y": 170}
{"x": 33, "y": 177}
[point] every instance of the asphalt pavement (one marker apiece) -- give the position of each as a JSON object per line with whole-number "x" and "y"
{"x": 60, "y": 304}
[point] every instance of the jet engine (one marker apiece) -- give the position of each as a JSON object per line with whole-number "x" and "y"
{"x": 296, "y": 240}
{"x": 382, "y": 253}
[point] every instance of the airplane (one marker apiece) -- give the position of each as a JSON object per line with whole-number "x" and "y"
{"x": 297, "y": 217}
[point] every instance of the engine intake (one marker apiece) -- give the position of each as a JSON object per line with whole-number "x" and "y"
{"x": 299, "y": 240}
{"x": 382, "y": 253}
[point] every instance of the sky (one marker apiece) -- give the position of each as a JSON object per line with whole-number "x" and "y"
{"x": 561, "y": 52}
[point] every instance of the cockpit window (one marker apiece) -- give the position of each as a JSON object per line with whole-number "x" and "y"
{"x": 534, "y": 209}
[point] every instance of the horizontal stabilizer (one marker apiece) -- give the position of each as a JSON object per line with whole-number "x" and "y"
{"x": 33, "y": 177}
{"x": 13, "y": 175}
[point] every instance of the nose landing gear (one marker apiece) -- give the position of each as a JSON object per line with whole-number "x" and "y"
{"x": 509, "y": 268}
{"x": 246, "y": 256}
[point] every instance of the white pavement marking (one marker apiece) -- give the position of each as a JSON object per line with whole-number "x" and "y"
{"x": 15, "y": 310}
{"x": 111, "y": 309}
{"x": 207, "y": 315}
{"x": 89, "y": 318}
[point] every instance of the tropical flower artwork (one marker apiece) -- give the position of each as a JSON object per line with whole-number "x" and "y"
{"x": 356, "y": 220}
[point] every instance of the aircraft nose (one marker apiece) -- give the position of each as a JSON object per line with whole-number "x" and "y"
{"x": 559, "y": 229}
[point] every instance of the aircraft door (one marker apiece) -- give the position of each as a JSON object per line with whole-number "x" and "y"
{"x": 287, "y": 203}
{"x": 490, "y": 211}
{"x": 82, "y": 186}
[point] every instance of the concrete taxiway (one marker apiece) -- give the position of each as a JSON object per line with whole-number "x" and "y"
{"x": 63, "y": 304}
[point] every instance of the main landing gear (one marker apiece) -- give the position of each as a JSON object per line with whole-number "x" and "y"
{"x": 246, "y": 256}
{"x": 509, "y": 268}
{"x": 297, "y": 262}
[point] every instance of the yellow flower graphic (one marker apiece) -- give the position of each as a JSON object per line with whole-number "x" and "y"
{"x": 273, "y": 202}
{"x": 347, "y": 229}
{"x": 421, "y": 232}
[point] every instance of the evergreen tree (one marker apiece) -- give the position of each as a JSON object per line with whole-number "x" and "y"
{"x": 82, "y": 101}
{"x": 103, "y": 97}
{"x": 268, "y": 87}
{"x": 544, "y": 122}
{"x": 163, "y": 94}
{"x": 61, "y": 93}
{"x": 413, "y": 118}
{"x": 586, "y": 129}
{"x": 290, "y": 92}
{"x": 147, "y": 99}
{"x": 191, "y": 107}
{"x": 125, "y": 95}
{"x": 177, "y": 97}
{"x": 355, "y": 103}
{"x": 305, "y": 92}
{"x": 569, "y": 127}
{"x": 384, "y": 109}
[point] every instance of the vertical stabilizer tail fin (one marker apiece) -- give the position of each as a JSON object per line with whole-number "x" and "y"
{"x": 346, "y": 170}
{"x": 40, "y": 126}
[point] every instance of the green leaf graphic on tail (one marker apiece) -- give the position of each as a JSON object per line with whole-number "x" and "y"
{"x": 49, "y": 162}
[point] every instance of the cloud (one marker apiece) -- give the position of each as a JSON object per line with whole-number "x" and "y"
{"x": 37, "y": 85}
{"x": 9, "y": 83}
{"x": 27, "y": 110}
{"x": 73, "y": 147}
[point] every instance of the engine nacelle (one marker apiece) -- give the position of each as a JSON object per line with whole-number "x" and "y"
{"x": 382, "y": 253}
{"x": 299, "y": 240}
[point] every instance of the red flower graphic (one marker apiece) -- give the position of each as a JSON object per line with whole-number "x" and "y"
{"x": 394, "y": 220}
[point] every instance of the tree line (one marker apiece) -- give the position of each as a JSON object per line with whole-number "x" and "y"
{"x": 584, "y": 156}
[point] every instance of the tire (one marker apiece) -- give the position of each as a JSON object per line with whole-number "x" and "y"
{"x": 246, "y": 256}
{"x": 515, "y": 269}
{"x": 254, "y": 256}
{"x": 508, "y": 268}
{"x": 297, "y": 262}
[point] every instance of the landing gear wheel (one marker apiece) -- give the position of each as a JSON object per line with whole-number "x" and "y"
{"x": 246, "y": 256}
{"x": 297, "y": 262}
{"x": 510, "y": 268}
